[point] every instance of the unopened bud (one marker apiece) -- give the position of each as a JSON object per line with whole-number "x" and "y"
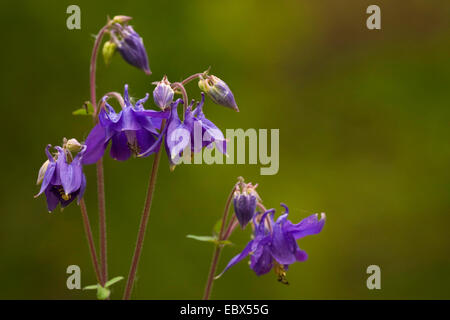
{"x": 121, "y": 19}
{"x": 42, "y": 171}
{"x": 163, "y": 93}
{"x": 109, "y": 48}
{"x": 73, "y": 145}
{"x": 218, "y": 91}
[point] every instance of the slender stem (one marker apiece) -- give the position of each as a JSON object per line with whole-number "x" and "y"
{"x": 232, "y": 225}
{"x": 225, "y": 212}
{"x": 192, "y": 77}
{"x": 218, "y": 248}
{"x": 102, "y": 220}
{"x": 179, "y": 85}
{"x": 212, "y": 272}
{"x": 90, "y": 239}
{"x": 93, "y": 68}
{"x": 100, "y": 176}
{"x": 144, "y": 221}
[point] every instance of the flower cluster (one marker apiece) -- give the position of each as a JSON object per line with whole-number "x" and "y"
{"x": 274, "y": 242}
{"x": 136, "y": 131}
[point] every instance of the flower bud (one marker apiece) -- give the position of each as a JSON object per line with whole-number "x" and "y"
{"x": 218, "y": 91}
{"x": 42, "y": 171}
{"x": 163, "y": 93}
{"x": 121, "y": 19}
{"x": 245, "y": 204}
{"x": 130, "y": 46}
{"x": 109, "y": 48}
{"x": 73, "y": 145}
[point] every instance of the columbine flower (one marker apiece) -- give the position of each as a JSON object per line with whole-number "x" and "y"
{"x": 163, "y": 93}
{"x": 62, "y": 177}
{"x": 274, "y": 243}
{"x": 130, "y": 46}
{"x": 218, "y": 91}
{"x": 180, "y": 134}
{"x": 245, "y": 200}
{"x": 130, "y": 131}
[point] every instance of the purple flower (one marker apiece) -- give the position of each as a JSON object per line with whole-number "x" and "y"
{"x": 130, "y": 131}
{"x": 195, "y": 131}
{"x": 274, "y": 244}
{"x": 245, "y": 200}
{"x": 218, "y": 91}
{"x": 63, "y": 178}
{"x": 163, "y": 93}
{"x": 130, "y": 46}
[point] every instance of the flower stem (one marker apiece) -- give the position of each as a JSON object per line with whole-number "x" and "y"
{"x": 90, "y": 239}
{"x": 144, "y": 221}
{"x": 179, "y": 86}
{"x": 218, "y": 248}
{"x": 192, "y": 77}
{"x": 100, "y": 176}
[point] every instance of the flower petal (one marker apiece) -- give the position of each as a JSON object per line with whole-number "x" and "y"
{"x": 52, "y": 199}
{"x": 119, "y": 147}
{"x": 308, "y": 226}
{"x": 238, "y": 257}
{"x": 96, "y": 143}
{"x": 261, "y": 261}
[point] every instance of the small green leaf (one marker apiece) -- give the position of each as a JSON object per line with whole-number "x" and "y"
{"x": 93, "y": 287}
{"x": 210, "y": 239}
{"x": 224, "y": 242}
{"x": 202, "y": 238}
{"x": 86, "y": 110}
{"x": 112, "y": 281}
{"x": 102, "y": 293}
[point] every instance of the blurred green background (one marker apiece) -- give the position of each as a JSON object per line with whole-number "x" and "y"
{"x": 364, "y": 136}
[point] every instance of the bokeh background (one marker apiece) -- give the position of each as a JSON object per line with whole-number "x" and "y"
{"x": 364, "y": 136}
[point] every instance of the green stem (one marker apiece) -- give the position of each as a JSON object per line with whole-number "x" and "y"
{"x": 90, "y": 239}
{"x": 100, "y": 176}
{"x": 218, "y": 248}
{"x": 144, "y": 221}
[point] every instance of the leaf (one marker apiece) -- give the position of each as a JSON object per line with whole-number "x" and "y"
{"x": 93, "y": 287}
{"x": 209, "y": 239}
{"x": 86, "y": 110}
{"x": 202, "y": 238}
{"x": 113, "y": 281}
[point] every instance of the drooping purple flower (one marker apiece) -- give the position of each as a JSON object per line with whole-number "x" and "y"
{"x": 274, "y": 244}
{"x": 218, "y": 91}
{"x": 245, "y": 199}
{"x": 63, "y": 178}
{"x": 130, "y": 46}
{"x": 131, "y": 131}
{"x": 195, "y": 131}
{"x": 197, "y": 122}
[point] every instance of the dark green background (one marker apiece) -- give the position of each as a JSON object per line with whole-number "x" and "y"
{"x": 364, "y": 136}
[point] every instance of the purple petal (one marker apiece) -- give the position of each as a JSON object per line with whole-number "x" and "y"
{"x": 308, "y": 226}
{"x": 284, "y": 246}
{"x": 96, "y": 143}
{"x": 261, "y": 261}
{"x": 52, "y": 199}
{"x": 238, "y": 257}
{"x": 119, "y": 147}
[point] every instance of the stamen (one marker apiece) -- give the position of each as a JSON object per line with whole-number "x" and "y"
{"x": 280, "y": 272}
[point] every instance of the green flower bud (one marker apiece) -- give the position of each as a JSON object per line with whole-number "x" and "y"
{"x": 109, "y": 48}
{"x": 73, "y": 145}
{"x": 42, "y": 171}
